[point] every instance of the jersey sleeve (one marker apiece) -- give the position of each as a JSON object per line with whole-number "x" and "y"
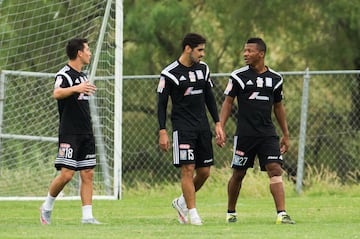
{"x": 163, "y": 92}
{"x": 232, "y": 88}
{"x": 61, "y": 81}
{"x": 278, "y": 94}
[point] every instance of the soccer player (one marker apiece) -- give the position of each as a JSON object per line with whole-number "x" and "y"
{"x": 259, "y": 91}
{"x": 187, "y": 81}
{"x": 76, "y": 150}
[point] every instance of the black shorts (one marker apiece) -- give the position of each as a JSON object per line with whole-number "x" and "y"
{"x": 76, "y": 152}
{"x": 193, "y": 147}
{"x": 246, "y": 148}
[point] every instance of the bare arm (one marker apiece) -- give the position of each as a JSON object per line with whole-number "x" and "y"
{"x": 85, "y": 87}
{"x": 279, "y": 111}
{"x": 224, "y": 115}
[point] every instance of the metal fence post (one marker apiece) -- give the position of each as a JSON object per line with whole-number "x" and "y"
{"x": 2, "y": 98}
{"x": 302, "y": 134}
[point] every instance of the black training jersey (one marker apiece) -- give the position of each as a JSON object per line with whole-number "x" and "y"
{"x": 190, "y": 89}
{"x": 74, "y": 111}
{"x": 256, "y": 94}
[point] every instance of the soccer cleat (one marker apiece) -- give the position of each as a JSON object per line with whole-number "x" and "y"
{"x": 284, "y": 219}
{"x": 45, "y": 216}
{"x": 182, "y": 212}
{"x": 90, "y": 221}
{"x": 196, "y": 220}
{"x": 231, "y": 217}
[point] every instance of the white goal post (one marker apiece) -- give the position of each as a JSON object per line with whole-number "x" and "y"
{"x": 29, "y": 117}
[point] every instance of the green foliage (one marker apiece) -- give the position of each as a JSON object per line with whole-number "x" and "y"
{"x": 299, "y": 34}
{"x": 152, "y": 34}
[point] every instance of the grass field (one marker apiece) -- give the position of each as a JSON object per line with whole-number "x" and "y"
{"x": 145, "y": 212}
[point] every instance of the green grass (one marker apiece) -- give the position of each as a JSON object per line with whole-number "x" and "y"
{"x": 145, "y": 212}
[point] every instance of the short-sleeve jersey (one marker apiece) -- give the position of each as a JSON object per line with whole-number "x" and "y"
{"x": 74, "y": 111}
{"x": 188, "y": 88}
{"x": 256, "y": 94}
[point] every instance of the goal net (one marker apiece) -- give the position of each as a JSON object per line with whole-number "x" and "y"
{"x": 32, "y": 49}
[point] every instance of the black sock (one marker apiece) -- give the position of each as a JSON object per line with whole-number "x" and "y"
{"x": 231, "y": 211}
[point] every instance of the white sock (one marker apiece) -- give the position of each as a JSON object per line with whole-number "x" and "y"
{"x": 182, "y": 201}
{"x": 281, "y": 213}
{"x": 87, "y": 212}
{"x": 193, "y": 213}
{"x": 49, "y": 202}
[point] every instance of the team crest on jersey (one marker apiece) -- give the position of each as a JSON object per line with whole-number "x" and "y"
{"x": 259, "y": 82}
{"x": 192, "y": 76}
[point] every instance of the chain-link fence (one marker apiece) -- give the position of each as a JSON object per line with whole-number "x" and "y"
{"x": 322, "y": 114}
{"x": 332, "y": 123}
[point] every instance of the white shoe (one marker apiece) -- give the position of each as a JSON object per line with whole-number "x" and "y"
{"x": 196, "y": 220}
{"x": 45, "y": 216}
{"x": 231, "y": 217}
{"x": 182, "y": 212}
{"x": 90, "y": 221}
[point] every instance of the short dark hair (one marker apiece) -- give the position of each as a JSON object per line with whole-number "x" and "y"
{"x": 259, "y": 42}
{"x": 75, "y": 45}
{"x": 193, "y": 40}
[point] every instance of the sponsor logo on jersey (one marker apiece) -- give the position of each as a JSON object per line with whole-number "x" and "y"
{"x": 191, "y": 91}
{"x": 256, "y": 96}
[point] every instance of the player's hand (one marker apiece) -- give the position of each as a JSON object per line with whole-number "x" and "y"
{"x": 164, "y": 142}
{"x": 86, "y": 88}
{"x": 220, "y": 136}
{"x": 284, "y": 144}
